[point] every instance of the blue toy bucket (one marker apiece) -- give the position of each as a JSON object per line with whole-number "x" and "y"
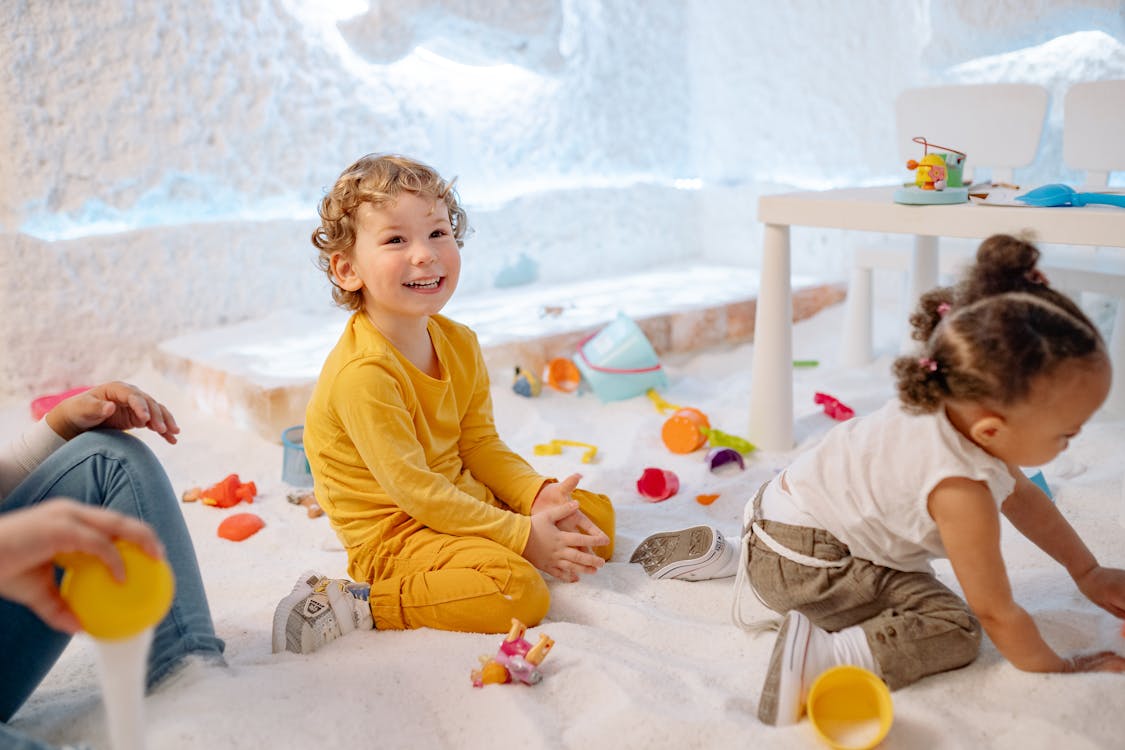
{"x": 618, "y": 361}
{"x": 294, "y": 463}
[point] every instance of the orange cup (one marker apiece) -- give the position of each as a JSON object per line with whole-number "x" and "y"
{"x": 681, "y": 433}
{"x": 562, "y": 375}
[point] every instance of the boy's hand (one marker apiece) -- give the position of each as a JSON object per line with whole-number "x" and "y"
{"x": 1102, "y": 661}
{"x": 1105, "y": 587}
{"x": 556, "y": 493}
{"x": 31, "y": 538}
{"x": 118, "y": 405}
{"x": 563, "y": 554}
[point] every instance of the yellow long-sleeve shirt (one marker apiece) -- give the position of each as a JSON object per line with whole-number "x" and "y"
{"x": 393, "y": 450}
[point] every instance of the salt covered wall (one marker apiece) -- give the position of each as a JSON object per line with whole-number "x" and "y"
{"x": 162, "y": 161}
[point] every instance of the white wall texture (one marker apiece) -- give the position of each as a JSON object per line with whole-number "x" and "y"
{"x": 162, "y": 161}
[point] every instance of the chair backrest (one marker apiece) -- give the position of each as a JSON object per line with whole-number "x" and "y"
{"x": 1094, "y": 129}
{"x": 997, "y": 125}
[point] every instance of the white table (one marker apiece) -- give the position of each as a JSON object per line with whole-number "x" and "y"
{"x": 873, "y": 210}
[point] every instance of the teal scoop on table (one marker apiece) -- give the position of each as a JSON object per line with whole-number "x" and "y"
{"x": 1058, "y": 194}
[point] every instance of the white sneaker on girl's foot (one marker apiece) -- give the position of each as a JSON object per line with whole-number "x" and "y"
{"x": 783, "y": 694}
{"x": 696, "y": 554}
{"x": 801, "y": 653}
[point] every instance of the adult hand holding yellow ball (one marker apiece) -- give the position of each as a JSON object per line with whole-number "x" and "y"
{"x": 110, "y": 609}
{"x": 120, "y": 616}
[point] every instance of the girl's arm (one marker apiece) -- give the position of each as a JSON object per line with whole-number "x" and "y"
{"x": 969, "y": 522}
{"x": 1032, "y": 512}
{"x": 966, "y": 516}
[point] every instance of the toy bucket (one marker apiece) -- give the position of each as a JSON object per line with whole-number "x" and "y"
{"x": 294, "y": 463}
{"x": 619, "y": 362}
{"x": 850, "y": 708}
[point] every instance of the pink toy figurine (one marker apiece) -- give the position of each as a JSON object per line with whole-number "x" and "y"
{"x": 525, "y": 668}
{"x": 515, "y": 661}
{"x": 514, "y": 644}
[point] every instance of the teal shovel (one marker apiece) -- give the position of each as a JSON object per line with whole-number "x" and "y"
{"x": 1058, "y": 194}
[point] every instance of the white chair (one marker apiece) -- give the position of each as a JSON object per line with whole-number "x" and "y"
{"x": 997, "y": 126}
{"x": 1093, "y": 124}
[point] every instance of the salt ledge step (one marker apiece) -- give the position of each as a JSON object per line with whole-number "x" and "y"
{"x": 259, "y": 374}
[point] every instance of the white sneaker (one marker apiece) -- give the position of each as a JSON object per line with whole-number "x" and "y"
{"x": 319, "y": 610}
{"x": 696, "y": 554}
{"x": 801, "y": 652}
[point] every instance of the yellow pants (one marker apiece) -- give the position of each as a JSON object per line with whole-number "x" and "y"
{"x": 468, "y": 583}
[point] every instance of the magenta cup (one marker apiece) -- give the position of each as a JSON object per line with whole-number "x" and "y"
{"x": 658, "y": 484}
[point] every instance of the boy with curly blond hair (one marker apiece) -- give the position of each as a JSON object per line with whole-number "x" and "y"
{"x": 444, "y": 525}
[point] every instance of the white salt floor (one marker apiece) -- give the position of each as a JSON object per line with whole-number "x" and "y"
{"x": 637, "y": 663}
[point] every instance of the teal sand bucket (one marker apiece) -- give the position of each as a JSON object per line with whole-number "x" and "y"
{"x": 619, "y": 362}
{"x": 294, "y": 464}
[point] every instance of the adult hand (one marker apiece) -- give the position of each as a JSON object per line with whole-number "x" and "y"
{"x": 118, "y": 405}
{"x": 31, "y": 538}
{"x": 563, "y": 554}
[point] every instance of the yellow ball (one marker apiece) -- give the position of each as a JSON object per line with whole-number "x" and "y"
{"x": 111, "y": 610}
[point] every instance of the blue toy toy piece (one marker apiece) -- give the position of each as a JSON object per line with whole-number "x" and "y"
{"x": 1040, "y": 481}
{"x": 1058, "y": 194}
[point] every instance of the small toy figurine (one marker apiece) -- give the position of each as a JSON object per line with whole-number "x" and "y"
{"x": 938, "y": 177}
{"x": 515, "y": 661}
{"x": 226, "y": 494}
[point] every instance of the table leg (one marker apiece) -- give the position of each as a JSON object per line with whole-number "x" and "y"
{"x": 1115, "y": 402}
{"x": 771, "y": 376}
{"x": 923, "y": 278}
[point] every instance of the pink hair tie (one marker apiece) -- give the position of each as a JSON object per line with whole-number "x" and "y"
{"x": 928, "y": 363}
{"x": 1035, "y": 276}
{"x": 942, "y": 309}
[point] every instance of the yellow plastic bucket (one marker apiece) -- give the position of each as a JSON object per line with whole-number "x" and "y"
{"x": 850, "y": 708}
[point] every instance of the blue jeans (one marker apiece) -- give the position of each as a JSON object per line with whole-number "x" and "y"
{"x": 109, "y": 469}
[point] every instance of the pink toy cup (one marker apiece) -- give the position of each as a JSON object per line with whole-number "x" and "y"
{"x": 658, "y": 484}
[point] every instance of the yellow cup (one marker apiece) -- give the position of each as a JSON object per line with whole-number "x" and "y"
{"x": 110, "y": 610}
{"x": 850, "y": 708}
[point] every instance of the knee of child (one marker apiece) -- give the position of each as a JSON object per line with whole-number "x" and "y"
{"x": 963, "y": 647}
{"x": 599, "y": 509}
{"x": 529, "y": 596}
